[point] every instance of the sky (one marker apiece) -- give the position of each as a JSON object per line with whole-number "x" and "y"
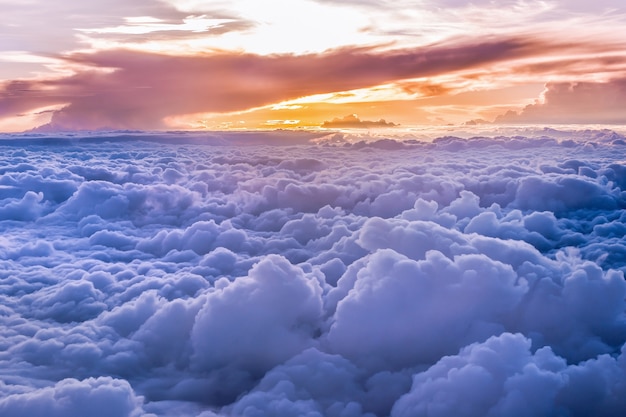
{"x": 244, "y": 64}
{"x": 312, "y": 208}
{"x": 312, "y": 273}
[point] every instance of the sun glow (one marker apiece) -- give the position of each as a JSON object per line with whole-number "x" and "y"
{"x": 26, "y": 121}
{"x": 305, "y": 62}
{"x": 145, "y": 25}
{"x": 273, "y": 22}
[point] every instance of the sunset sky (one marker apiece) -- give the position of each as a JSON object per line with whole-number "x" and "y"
{"x": 356, "y": 208}
{"x": 250, "y": 64}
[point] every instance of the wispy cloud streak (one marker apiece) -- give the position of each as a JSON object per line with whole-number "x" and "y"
{"x": 141, "y": 89}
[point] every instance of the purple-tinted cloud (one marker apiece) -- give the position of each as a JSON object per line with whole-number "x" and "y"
{"x": 180, "y": 274}
{"x": 98, "y": 397}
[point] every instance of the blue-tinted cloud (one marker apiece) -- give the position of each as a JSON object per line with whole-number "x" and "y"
{"x": 226, "y": 274}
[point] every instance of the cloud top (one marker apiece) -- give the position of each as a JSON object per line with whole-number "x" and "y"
{"x": 579, "y": 102}
{"x": 291, "y": 274}
{"x": 353, "y": 121}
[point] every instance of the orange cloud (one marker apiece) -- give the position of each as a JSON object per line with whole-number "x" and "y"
{"x": 143, "y": 89}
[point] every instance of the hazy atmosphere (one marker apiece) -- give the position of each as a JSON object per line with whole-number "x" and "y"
{"x": 189, "y": 64}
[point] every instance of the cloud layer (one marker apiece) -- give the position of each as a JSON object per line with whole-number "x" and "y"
{"x": 246, "y": 275}
{"x": 126, "y": 96}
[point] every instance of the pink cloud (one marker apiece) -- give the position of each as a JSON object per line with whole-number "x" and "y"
{"x": 582, "y": 102}
{"x": 145, "y": 88}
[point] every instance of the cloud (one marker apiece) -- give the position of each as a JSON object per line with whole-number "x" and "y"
{"x": 127, "y": 97}
{"x": 277, "y": 309}
{"x": 353, "y": 121}
{"x": 75, "y": 15}
{"x": 502, "y": 376}
{"x": 580, "y": 102}
{"x": 217, "y": 274}
{"x": 405, "y": 293}
{"x": 95, "y": 397}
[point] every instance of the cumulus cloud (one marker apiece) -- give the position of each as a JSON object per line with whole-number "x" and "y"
{"x": 353, "y": 121}
{"x": 432, "y": 294}
{"x": 256, "y": 274}
{"x": 580, "y": 102}
{"x": 95, "y": 397}
{"x": 503, "y": 376}
{"x": 277, "y": 310}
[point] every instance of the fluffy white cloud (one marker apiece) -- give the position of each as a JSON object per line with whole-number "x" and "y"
{"x": 258, "y": 321}
{"x": 394, "y": 316}
{"x": 161, "y": 275}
